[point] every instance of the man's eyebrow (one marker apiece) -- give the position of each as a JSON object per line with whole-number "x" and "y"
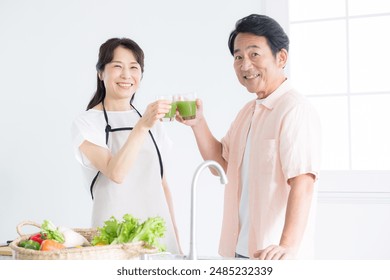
{"x": 248, "y": 47}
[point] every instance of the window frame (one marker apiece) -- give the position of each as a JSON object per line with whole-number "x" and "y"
{"x": 339, "y": 186}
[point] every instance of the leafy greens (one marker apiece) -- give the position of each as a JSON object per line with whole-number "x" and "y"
{"x": 131, "y": 230}
{"x": 50, "y": 231}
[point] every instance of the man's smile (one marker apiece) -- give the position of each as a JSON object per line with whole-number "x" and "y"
{"x": 250, "y": 77}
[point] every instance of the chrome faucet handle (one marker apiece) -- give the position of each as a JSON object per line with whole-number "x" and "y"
{"x": 208, "y": 163}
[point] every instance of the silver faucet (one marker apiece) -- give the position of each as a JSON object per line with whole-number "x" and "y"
{"x": 208, "y": 163}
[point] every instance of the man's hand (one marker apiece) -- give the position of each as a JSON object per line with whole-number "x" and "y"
{"x": 275, "y": 252}
{"x": 199, "y": 115}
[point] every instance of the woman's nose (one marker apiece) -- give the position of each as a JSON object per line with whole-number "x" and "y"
{"x": 125, "y": 73}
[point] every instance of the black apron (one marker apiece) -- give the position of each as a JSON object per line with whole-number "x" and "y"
{"x": 109, "y": 129}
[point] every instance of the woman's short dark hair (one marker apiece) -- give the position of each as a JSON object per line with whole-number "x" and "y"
{"x": 261, "y": 25}
{"x": 106, "y": 55}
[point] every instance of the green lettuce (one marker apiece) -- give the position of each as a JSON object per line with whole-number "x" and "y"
{"x": 150, "y": 231}
{"x": 130, "y": 230}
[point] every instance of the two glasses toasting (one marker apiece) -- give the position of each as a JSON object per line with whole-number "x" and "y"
{"x": 185, "y": 104}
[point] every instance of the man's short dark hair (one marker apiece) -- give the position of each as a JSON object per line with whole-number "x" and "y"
{"x": 261, "y": 25}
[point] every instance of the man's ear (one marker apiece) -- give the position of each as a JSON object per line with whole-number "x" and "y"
{"x": 282, "y": 58}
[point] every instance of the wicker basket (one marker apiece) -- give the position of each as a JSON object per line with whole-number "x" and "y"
{"x": 125, "y": 251}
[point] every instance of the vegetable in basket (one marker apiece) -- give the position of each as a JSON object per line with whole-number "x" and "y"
{"x": 72, "y": 238}
{"x": 130, "y": 230}
{"x": 63, "y": 235}
{"x": 53, "y": 238}
{"x": 38, "y": 238}
{"x": 51, "y": 245}
{"x": 34, "y": 242}
{"x": 29, "y": 244}
{"x": 51, "y": 231}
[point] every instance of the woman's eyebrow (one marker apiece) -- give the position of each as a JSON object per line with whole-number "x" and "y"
{"x": 118, "y": 61}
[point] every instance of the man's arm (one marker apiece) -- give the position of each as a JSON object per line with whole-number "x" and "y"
{"x": 209, "y": 147}
{"x": 297, "y": 213}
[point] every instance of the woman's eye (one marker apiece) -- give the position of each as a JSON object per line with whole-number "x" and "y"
{"x": 117, "y": 66}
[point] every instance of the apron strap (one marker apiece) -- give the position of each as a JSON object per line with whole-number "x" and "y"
{"x": 108, "y": 129}
{"x": 155, "y": 144}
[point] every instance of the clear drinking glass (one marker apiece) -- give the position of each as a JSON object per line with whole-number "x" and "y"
{"x": 186, "y": 105}
{"x": 170, "y": 116}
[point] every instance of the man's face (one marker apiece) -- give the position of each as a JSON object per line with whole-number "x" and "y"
{"x": 256, "y": 67}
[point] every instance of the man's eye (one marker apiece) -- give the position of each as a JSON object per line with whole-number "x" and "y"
{"x": 117, "y": 66}
{"x": 255, "y": 54}
{"x": 237, "y": 57}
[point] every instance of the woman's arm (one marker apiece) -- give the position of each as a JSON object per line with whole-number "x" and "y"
{"x": 117, "y": 166}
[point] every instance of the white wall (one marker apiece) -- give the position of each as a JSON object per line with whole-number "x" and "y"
{"x": 353, "y": 215}
{"x": 48, "y": 53}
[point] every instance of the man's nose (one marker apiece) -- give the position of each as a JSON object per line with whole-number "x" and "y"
{"x": 246, "y": 64}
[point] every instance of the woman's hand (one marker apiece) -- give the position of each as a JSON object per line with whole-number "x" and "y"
{"x": 198, "y": 118}
{"x": 154, "y": 112}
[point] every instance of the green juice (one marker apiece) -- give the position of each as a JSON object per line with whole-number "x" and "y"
{"x": 187, "y": 109}
{"x": 172, "y": 113}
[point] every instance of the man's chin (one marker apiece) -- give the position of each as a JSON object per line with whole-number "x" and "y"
{"x": 251, "y": 90}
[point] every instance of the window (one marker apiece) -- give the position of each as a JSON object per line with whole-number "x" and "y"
{"x": 339, "y": 59}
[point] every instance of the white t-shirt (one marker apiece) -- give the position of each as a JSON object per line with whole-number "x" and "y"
{"x": 141, "y": 194}
{"x": 243, "y": 237}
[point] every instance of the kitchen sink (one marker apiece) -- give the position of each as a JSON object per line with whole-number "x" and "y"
{"x": 169, "y": 256}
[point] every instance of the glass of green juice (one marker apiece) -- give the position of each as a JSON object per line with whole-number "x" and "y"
{"x": 170, "y": 116}
{"x": 186, "y": 105}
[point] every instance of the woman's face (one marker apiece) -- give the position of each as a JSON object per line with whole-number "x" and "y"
{"x": 122, "y": 75}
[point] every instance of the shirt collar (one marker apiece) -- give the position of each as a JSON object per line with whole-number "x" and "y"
{"x": 270, "y": 101}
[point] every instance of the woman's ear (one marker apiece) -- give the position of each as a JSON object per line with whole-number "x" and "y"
{"x": 100, "y": 75}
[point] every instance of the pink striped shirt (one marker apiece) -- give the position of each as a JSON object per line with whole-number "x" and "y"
{"x": 285, "y": 143}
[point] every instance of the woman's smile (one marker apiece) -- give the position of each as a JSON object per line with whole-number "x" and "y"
{"x": 125, "y": 85}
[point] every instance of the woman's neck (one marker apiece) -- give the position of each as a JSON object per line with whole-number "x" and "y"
{"x": 116, "y": 105}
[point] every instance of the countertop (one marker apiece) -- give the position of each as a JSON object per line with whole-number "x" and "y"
{"x": 5, "y": 253}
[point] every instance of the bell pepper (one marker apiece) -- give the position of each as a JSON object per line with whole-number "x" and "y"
{"x": 22, "y": 243}
{"x": 31, "y": 244}
{"x": 38, "y": 238}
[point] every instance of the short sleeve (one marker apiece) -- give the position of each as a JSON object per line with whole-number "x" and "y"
{"x": 300, "y": 141}
{"x": 225, "y": 144}
{"x": 84, "y": 130}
